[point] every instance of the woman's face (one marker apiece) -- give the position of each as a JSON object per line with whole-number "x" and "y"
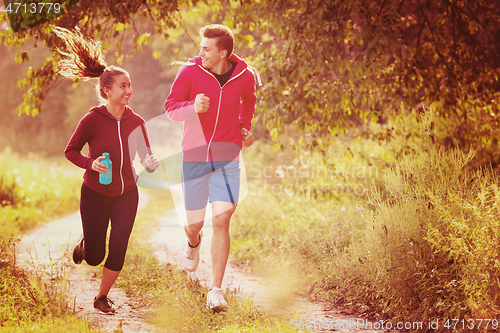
{"x": 120, "y": 91}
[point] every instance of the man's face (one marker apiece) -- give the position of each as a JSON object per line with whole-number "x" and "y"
{"x": 210, "y": 54}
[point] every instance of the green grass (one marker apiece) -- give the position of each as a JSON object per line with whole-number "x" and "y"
{"x": 309, "y": 236}
{"x": 33, "y": 191}
{"x": 422, "y": 244}
{"x": 177, "y": 303}
{"x": 30, "y": 304}
{"x": 61, "y": 324}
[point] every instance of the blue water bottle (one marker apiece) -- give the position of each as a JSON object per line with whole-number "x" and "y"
{"x": 105, "y": 178}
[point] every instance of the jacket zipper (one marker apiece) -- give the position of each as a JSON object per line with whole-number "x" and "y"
{"x": 216, "y": 122}
{"x": 218, "y": 106}
{"x": 121, "y": 157}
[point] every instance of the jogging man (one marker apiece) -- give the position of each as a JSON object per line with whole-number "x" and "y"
{"x": 214, "y": 95}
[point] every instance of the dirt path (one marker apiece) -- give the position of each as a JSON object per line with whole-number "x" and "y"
{"x": 49, "y": 248}
{"x": 169, "y": 240}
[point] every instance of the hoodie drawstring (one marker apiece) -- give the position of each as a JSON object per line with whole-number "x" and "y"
{"x": 187, "y": 63}
{"x": 256, "y": 72}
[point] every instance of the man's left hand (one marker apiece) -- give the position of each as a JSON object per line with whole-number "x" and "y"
{"x": 247, "y": 137}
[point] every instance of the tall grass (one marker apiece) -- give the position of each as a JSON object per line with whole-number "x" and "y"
{"x": 433, "y": 249}
{"x": 423, "y": 246}
{"x": 305, "y": 234}
{"x": 33, "y": 191}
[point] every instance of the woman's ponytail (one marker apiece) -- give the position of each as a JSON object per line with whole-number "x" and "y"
{"x": 84, "y": 58}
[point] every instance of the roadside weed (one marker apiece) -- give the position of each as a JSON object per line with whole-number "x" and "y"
{"x": 32, "y": 191}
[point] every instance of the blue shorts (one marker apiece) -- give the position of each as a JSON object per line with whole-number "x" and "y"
{"x": 204, "y": 182}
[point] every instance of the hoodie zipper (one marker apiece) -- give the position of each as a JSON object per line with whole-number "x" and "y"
{"x": 121, "y": 157}
{"x": 218, "y": 106}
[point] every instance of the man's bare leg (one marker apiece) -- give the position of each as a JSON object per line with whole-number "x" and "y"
{"x": 221, "y": 240}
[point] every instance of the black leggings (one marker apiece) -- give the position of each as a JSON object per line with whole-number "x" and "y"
{"x": 96, "y": 211}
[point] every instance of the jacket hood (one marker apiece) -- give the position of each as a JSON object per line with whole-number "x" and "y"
{"x": 241, "y": 65}
{"x": 101, "y": 109}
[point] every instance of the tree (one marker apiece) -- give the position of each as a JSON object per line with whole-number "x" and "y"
{"x": 106, "y": 20}
{"x": 329, "y": 63}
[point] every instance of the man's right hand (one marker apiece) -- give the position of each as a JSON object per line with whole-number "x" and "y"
{"x": 201, "y": 103}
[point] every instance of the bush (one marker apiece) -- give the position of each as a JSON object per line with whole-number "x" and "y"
{"x": 424, "y": 246}
{"x": 8, "y": 190}
{"x": 433, "y": 249}
{"x": 32, "y": 191}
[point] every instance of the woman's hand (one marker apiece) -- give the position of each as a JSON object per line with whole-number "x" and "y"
{"x": 151, "y": 162}
{"x": 98, "y": 166}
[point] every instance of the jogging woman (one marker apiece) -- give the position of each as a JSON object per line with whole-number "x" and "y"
{"x": 109, "y": 128}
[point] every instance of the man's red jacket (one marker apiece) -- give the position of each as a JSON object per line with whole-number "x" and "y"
{"x": 213, "y": 135}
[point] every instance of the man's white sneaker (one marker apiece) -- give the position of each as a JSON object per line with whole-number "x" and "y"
{"x": 215, "y": 300}
{"x": 191, "y": 256}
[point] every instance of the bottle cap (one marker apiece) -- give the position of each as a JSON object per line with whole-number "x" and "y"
{"x": 105, "y": 155}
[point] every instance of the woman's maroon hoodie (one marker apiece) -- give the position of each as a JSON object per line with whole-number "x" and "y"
{"x": 122, "y": 139}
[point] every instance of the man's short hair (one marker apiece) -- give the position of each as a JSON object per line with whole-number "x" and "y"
{"x": 223, "y": 35}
